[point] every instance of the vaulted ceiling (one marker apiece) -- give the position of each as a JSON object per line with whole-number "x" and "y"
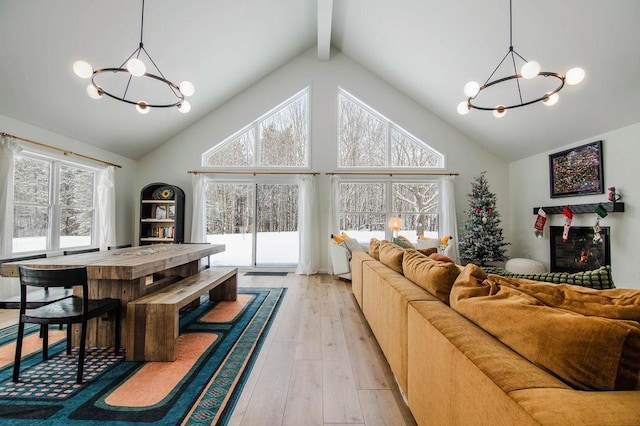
{"x": 427, "y": 49}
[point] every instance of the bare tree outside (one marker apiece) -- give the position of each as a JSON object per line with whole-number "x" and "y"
{"x": 236, "y": 152}
{"x": 284, "y": 136}
{"x": 361, "y": 136}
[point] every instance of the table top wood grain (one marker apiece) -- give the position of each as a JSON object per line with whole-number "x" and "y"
{"x": 123, "y": 264}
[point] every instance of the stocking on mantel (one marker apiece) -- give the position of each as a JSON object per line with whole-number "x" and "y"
{"x": 568, "y": 217}
{"x": 538, "y": 226}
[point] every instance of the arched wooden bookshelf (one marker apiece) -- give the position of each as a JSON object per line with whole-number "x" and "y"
{"x": 161, "y": 214}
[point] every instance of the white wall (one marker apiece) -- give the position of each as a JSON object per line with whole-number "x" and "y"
{"x": 170, "y": 162}
{"x": 123, "y": 176}
{"x": 529, "y": 188}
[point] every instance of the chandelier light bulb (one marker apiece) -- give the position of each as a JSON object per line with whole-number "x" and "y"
{"x": 82, "y": 69}
{"x": 184, "y": 107}
{"x": 500, "y": 111}
{"x": 93, "y": 92}
{"x": 551, "y": 100}
{"x": 471, "y": 89}
{"x": 143, "y": 107}
{"x": 186, "y": 88}
{"x": 463, "y": 108}
{"x": 136, "y": 67}
{"x": 530, "y": 70}
{"x": 574, "y": 76}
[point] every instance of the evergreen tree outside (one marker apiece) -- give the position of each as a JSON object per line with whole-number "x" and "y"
{"x": 483, "y": 241}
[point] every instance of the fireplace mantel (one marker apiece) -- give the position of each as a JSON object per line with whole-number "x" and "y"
{"x": 582, "y": 208}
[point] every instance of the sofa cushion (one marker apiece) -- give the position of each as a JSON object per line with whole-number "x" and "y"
{"x": 391, "y": 255}
{"x": 598, "y": 278}
{"x": 588, "y": 352}
{"x": 434, "y": 276}
{"x": 374, "y": 248}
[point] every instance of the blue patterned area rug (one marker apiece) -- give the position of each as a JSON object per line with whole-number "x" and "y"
{"x": 218, "y": 345}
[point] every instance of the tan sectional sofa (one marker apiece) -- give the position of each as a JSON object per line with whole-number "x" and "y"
{"x": 454, "y": 372}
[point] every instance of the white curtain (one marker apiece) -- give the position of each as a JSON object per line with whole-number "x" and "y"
{"x": 106, "y": 211}
{"x": 8, "y": 149}
{"x": 334, "y": 214}
{"x": 449, "y": 221}
{"x": 307, "y": 226}
{"x": 199, "y": 218}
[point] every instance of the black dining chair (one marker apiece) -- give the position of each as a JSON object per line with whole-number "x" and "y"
{"x": 72, "y": 310}
{"x": 89, "y": 250}
{"x": 36, "y": 298}
{"x": 119, "y": 247}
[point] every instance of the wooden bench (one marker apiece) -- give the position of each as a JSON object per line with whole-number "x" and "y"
{"x": 153, "y": 319}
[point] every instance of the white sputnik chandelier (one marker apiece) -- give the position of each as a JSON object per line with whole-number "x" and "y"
{"x": 134, "y": 71}
{"x": 530, "y": 70}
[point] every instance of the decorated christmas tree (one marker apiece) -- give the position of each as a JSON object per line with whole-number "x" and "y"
{"x": 482, "y": 241}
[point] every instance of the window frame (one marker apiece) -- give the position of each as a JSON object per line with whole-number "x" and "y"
{"x": 389, "y": 181}
{"x": 253, "y": 182}
{"x": 54, "y": 208}
{"x": 255, "y": 127}
{"x": 390, "y": 127}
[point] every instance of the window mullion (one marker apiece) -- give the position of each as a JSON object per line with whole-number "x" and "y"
{"x": 54, "y": 208}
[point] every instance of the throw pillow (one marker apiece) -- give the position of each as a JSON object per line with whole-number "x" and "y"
{"x": 406, "y": 240}
{"x": 391, "y": 255}
{"x": 374, "y": 248}
{"x": 352, "y": 245}
{"x": 599, "y": 279}
{"x": 339, "y": 238}
{"x": 434, "y": 276}
{"x": 404, "y": 243}
{"x": 428, "y": 251}
{"x": 440, "y": 257}
{"x": 587, "y": 352}
{"x": 424, "y": 242}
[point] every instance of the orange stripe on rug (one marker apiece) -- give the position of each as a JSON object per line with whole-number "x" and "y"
{"x": 227, "y": 311}
{"x": 30, "y": 344}
{"x": 155, "y": 380}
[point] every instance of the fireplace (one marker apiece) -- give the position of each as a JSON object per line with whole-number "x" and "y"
{"x": 579, "y": 252}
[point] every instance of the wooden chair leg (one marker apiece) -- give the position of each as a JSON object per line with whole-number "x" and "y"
{"x": 81, "y": 350}
{"x": 16, "y": 362}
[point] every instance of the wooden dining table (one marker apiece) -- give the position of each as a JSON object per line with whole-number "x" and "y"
{"x": 124, "y": 274}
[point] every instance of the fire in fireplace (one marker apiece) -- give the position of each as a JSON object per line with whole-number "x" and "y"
{"x": 579, "y": 252}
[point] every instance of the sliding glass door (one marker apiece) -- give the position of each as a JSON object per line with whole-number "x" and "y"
{"x": 277, "y": 225}
{"x": 257, "y": 222}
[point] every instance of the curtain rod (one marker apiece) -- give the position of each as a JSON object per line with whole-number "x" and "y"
{"x": 395, "y": 173}
{"x": 64, "y": 151}
{"x": 206, "y": 172}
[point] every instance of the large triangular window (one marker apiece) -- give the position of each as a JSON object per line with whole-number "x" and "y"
{"x": 280, "y": 138}
{"x": 367, "y": 139}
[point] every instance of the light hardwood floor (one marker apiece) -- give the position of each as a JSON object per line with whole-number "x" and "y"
{"x": 320, "y": 364}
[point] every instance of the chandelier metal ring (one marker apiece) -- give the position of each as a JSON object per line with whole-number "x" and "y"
{"x": 174, "y": 88}
{"x": 517, "y": 76}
